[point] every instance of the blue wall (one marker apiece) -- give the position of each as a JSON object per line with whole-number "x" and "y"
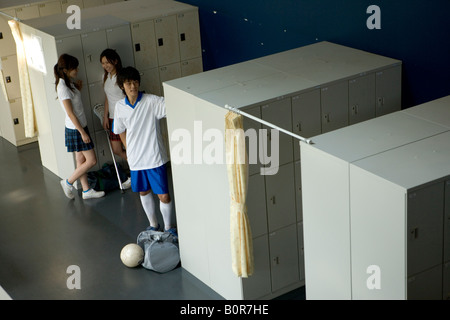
{"x": 414, "y": 31}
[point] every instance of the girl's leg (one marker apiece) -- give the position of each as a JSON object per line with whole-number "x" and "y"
{"x": 85, "y": 160}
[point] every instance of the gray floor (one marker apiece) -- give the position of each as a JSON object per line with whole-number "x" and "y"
{"x": 42, "y": 234}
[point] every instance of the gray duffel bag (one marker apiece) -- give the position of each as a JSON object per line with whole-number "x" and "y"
{"x": 161, "y": 252}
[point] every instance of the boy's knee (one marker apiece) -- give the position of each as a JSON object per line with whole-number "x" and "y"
{"x": 164, "y": 198}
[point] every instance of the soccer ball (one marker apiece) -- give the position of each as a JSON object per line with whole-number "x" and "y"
{"x": 132, "y": 255}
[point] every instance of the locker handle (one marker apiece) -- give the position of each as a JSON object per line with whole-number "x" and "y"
{"x": 327, "y": 117}
{"x": 160, "y": 42}
{"x": 273, "y": 200}
{"x": 89, "y": 56}
{"x": 415, "y": 232}
{"x": 299, "y": 127}
{"x": 183, "y": 37}
{"x": 355, "y": 109}
{"x": 276, "y": 260}
{"x": 137, "y": 47}
{"x": 8, "y": 79}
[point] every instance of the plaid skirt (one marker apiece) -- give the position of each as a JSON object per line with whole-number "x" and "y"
{"x": 112, "y": 135}
{"x": 74, "y": 142}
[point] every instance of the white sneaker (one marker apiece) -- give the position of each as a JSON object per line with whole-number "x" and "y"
{"x": 92, "y": 194}
{"x": 127, "y": 184}
{"x": 68, "y": 189}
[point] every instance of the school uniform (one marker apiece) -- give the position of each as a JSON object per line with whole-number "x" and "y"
{"x": 113, "y": 94}
{"x": 146, "y": 153}
{"x": 73, "y": 140}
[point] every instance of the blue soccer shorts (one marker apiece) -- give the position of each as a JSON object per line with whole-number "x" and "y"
{"x": 150, "y": 179}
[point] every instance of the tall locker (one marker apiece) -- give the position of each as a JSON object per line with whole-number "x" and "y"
{"x": 11, "y": 76}
{"x": 167, "y": 40}
{"x": 189, "y": 35}
{"x": 93, "y": 45}
{"x": 388, "y": 90}
{"x": 289, "y": 90}
{"x": 119, "y": 39}
{"x": 7, "y": 43}
{"x": 361, "y": 98}
{"x": 144, "y": 44}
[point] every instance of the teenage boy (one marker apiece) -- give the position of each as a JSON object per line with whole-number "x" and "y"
{"x": 136, "y": 120}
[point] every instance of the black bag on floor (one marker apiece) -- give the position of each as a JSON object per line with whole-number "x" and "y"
{"x": 161, "y": 252}
{"x": 105, "y": 179}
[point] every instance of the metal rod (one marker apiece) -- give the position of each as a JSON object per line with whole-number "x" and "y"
{"x": 11, "y": 17}
{"x": 235, "y": 110}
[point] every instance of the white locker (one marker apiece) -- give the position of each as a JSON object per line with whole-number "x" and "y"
{"x": 66, "y": 3}
{"x": 72, "y": 45}
{"x": 144, "y": 44}
{"x": 426, "y": 285}
{"x": 334, "y": 104}
{"x": 306, "y": 117}
{"x": 298, "y": 191}
{"x": 361, "y": 98}
{"x": 27, "y": 12}
{"x": 93, "y": 45}
{"x": 447, "y": 223}
{"x": 167, "y": 40}
{"x": 96, "y": 95}
{"x": 11, "y": 76}
{"x": 301, "y": 252}
{"x": 425, "y": 228}
{"x": 17, "y": 119}
{"x": 253, "y": 144}
{"x": 189, "y": 35}
{"x": 388, "y": 90}
{"x": 169, "y": 72}
{"x": 92, "y": 3}
{"x": 257, "y": 211}
{"x": 284, "y": 258}
{"x": 259, "y": 284}
{"x": 150, "y": 82}
{"x": 192, "y": 66}
{"x": 284, "y": 89}
{"x": 119, "y": 39}
{"x": 7, "y": 43}
{"x": 281, "y": 201}
{"x": 279, "y": 114}
{"x": 49, "y": 8}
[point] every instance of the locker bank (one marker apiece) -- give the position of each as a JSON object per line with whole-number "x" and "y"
{"x": 371, "y": 190}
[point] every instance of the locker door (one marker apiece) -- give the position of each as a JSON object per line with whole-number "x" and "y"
{"x": 280, "y": 198}
{"x": 72, "y": 45}
{"x": 279, "y": 113}
{"x": 447, "y": 223}
{"x": 67, "y": 3}
{"x": 7, "y": 43}
{"x": 144, "y": 44}
{"x": 93, "y": 45}
{"x": 169, "y": 72}
{"x": 426, "y": 285}
{"x": 150, "y": 82}
{"x": 102, "y": 149}
{"x": 305, "y": 117}
{"x": 252, "y": 145}
{"x": 17, "y": 118}
{"x": 11, "y": 76}
{"x": 361, "y": 98}
{"x": 446, "y": 281}
{"x": 119, "y": 38}
{"x": 284, "y": 257}
{"x": 259, "y": 284}
{"x": 301, "y": 252}
{"x": 298, "y": 191}
{"x": 92, "y": 3}
{"x": 96, "y": 95}
{"x": 167, "y": 40}
{"x": 49, "y": 8}
{"x": 190, "y": 67}
{"x": 425, "y": 228}
{"x": 27, "y": 12}
{"x": 189, "y": 35}
{"x": 334, "y": 105}
{"x": 256, "y": 205}
{"x": 388, "y": 90}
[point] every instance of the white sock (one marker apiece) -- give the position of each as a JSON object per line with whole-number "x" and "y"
{"x": 149, "y": 207}
{"x": 166, "y": 211}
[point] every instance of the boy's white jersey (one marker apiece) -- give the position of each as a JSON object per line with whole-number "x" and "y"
{"x": 145, "y": 147}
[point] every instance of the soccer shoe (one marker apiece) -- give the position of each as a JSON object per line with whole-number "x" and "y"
{"x": 127, "y": 184}
{"x": 92, "y": 194}
{"x": 68, "y": 189}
